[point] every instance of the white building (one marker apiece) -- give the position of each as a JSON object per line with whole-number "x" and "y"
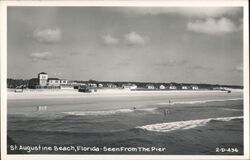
{"x": 184, "y": 87}
{"x": 54, "y": 82}
{"x": 63, "y": 82}
{"x": 100, "y": 85}
{"x": 45, "y": 82}
{"x": 194, "y": 87}
{"x": 162, "y": 87}
{"x": 129, "y": 86}
{"x": 172, "y": 87}
{"x": 111, "y": 85}
{"x": 93, "y": 85}
{"x": 150, "y": 87}
{"x": 42, "y": 79}
{"x": 133, "y": 86}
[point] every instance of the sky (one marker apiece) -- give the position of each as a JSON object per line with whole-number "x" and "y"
{"x": 152, "y": 44}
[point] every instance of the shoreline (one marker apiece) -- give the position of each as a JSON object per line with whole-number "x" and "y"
{"x": 70, "y": 93}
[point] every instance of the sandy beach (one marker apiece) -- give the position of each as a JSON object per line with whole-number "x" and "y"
{"x": 70, "y": 93}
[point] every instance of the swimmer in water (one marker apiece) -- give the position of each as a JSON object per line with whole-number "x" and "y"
{"x": 166, "y": 111}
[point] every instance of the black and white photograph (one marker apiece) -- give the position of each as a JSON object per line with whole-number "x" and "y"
{"x": 125, "y": 80}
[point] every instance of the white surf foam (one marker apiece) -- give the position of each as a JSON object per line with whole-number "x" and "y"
{"x": 97, "y": 113}
{"x": 201, "y": 101}
{"x": 182, "y": 125}
{"x": 147, "y": 109}
{"x": 230, "y": 109}
{"x": 108, "y": 112}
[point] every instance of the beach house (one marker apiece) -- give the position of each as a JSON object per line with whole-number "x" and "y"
{"x": 162, "y": 87}
{"x": 184, "y": 87}
{"x": 92, "y": 85}
{"x": 172, "y": 87}
{"x": 111, "y": 85}
{"x": 149, "y": 86}
{"x": 63, "y": 82}
{"x": 54, "y": 82}
{"x": 194, "y": 87}
{"x": 129, "y": 86}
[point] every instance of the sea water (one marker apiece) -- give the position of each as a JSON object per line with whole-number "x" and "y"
{"x": 179, "y": 127}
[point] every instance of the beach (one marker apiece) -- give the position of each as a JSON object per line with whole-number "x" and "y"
{"x": 182, "y": 122}
{"x": 71, "y": 93}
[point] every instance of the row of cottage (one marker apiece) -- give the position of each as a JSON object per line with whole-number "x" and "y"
{"x": 45, "y": 82}
{"x": 161, "y": 87}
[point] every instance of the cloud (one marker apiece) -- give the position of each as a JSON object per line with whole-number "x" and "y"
{"x": 110, "y": 40}
{"x": 198, "y": 12}
{"x": 47, "y": 35}
{"x": 41, "y": 56}
{"x": 134, "y": 38}
{"x": 183, "y": 64}
{"x": 239, "y": 68}
{"x": 213, "y": 26}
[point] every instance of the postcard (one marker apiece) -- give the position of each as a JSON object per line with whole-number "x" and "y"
{"x": 124, "y": 80}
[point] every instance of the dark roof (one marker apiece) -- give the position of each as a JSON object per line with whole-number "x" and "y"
{"x": 53, "y": 79}
{"x": 42, "y": 73}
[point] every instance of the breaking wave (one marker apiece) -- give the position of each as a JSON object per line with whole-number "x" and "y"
{"x": 108, "y": 112}
{"x": 97, "y": 113}
{"x": 183, "y": 125}
{"x": 231, "y": 109}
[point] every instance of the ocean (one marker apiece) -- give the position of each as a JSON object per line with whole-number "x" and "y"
{"x": 142, "y": 125}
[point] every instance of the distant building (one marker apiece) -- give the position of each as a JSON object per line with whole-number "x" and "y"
{"x": 194, "y": 87}
{"x": 129, "y": 86}
{"x": 100, "y": 85}
{"x": 45, "y": 82}
{"x": 218, "y": 88}
{"x": 162, "y": 87}
{"x": 42, "y": 79}
{"x": 172, "y": 87}
{"x": 55, "y": 82}
{"x": 111, "y": 85}
{"x": 184, "y": 87}
{"x": 63, "y": 82}
{"x": 92, "y": 85}
{"x": 150, "y": 86}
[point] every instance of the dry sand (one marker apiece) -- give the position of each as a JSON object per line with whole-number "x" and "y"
{"x": 70, "y": 93}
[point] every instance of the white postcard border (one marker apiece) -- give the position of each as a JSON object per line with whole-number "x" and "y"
{"x": 185, "y": 3}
